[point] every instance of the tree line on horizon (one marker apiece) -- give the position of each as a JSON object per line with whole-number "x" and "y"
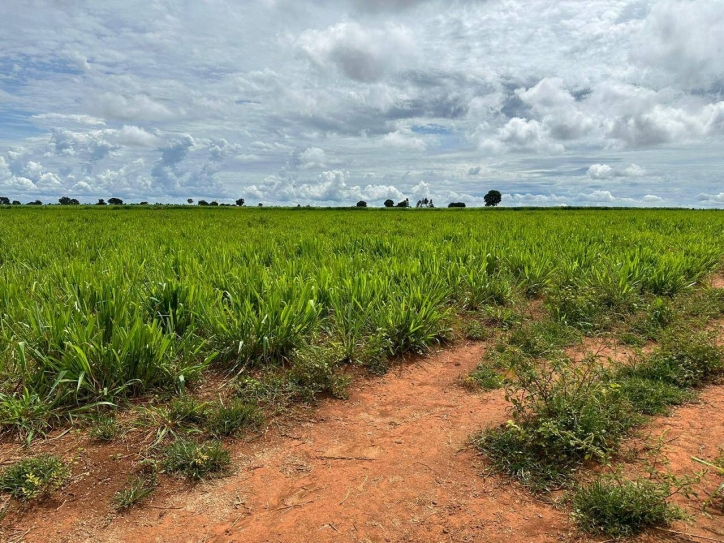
{"x": 492, "y": 199}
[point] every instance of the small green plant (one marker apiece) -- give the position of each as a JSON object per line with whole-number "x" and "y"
{"x": 717, "y": 466}
{"x": 227, "y": 420}
{"x": 139, "y": 488}
{"x": 619, "y": 507}
{"x": 484, "y": 377}
{"x": 187, "y": 410}
{"x": 476, "y": 331}
{"x": 196, "y": 461}
{"x": 34, "y": 477}
{"x": 104, "y": 428}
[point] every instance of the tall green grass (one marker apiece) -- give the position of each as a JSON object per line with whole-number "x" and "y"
{"x": 97, "y": 305}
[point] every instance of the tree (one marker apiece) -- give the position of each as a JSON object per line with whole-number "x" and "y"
{"x": 4, "y": 201}
{"x": 35, "y": 203}
{"x": 190, "y": 201}
{"x": 101, "y": 202}
{"x": 203, "y": 203}
{"x": 261, "y": 205}
{"x": 142, "y": 203}
{"x": 214, "y": 203}
{"x": 115, "y": 201}
{"x": 361, "y": 203}
{"x": 240, "y": 202}
{"x": 389, "y": 203}
{"x": 456, "y": 204}
{"x": 404, "y": 203}
{"x": 493, "y": 198}
{"x": 16, "y": 202}
{"x": 65, "y": 201}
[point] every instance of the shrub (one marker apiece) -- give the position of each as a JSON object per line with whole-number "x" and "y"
{"x": 619, "y": 507}
{"x": 563, "y": 415}
{"x": 196, "y": 461}
{"x": 34, "y": 477}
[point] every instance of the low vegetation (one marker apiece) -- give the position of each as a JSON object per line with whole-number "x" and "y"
{"x": 33, "y": 478}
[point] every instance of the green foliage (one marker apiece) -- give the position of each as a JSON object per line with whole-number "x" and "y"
{"x": 104, "y": 428}
{"x": 34, "y": 477}
{"x": 684, "y": 360}
{"x": 138, "y": 489}
{"x": 99, "y": 306}
{"x": 484, "y": 377}
{"x": 230, "y": 419}
{"x": 196, "y": 461}
{"x": 563, "y": 415}
{"x": 619, "y": 507}
{"x": 652, "y": 397}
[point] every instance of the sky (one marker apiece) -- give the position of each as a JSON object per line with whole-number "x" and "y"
{"x": 327, "y": 102}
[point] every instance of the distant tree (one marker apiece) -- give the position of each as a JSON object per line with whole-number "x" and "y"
{"x": 404, "y": 203}
{"x": 17, "y": 202}
{"x": 493, "y": 198}
{"x": 456, "y": 204}
{"x": 361, "y": 203}
{"x": 389, "y": 203}
{"x": 203, "y": 203}
{"x": 425, "y": 203}
{"x": 35, "y": 203}
{"x": 261, "y": 205}
{"x": 65, "y": 201}
{"x": 115, "y": 201}
{"x": 240, "y": 202}
{"x": 4, "y": 201}
{"x": 214, "y": 203}
{"x": 101, "y": 202}
{"x": 190, "y": 201}
{"x": 142, "y": 203}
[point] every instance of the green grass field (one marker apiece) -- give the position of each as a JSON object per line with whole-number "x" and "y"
{"x": 98, "y": 305}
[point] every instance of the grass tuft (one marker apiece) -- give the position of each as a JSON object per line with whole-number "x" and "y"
{"x": 196, "y": 461}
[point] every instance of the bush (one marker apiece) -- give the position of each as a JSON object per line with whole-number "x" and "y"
{"x": 34, "y": 477}
{"x": 196, "y": 461}
{"x": 619, "y": 507}
{"x": 563, "y": 415}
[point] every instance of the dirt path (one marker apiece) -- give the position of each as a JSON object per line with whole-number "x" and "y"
{"x": 389, "y": 464}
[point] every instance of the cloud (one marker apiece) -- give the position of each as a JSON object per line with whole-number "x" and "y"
{"x": 604, "y": 171}
{"x": 404, "y": 139}
{"x": 312, "y": 158}
{"x": 362, "y": 54}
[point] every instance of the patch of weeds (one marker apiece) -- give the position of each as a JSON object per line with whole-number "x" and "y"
{"x": 717, "y": 466}
{"x": 104, "y": 428}
{"x": 25, "y": 413}
{"x": 652, "y": 397}
{"x": 619, "y": 507}
{"x": 484, "y": 377}
{"x": 563, "y": 415}
{"x": 684, "y": 360}
{"x": 228, "y": 420}
{"x": 196, "y": 461}
{"x": 476, "y": 331}
{"x": 139, "y": 488}
{"x": 315, "y": 371}
{"x": 34, "y": 477}
{"x": 187, "y": 410}
{"x": 504, "y": 318}
{"x": 540, "y": 338}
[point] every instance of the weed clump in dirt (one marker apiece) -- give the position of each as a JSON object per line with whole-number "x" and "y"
{"x": 138, "y": 489}
{"x": 104, "y": 428}
{"x": 196, "y": 461}
{"x": 563, "y": 415}
{"x": 619, "y": 507}
{"x": 34, "y": 477}
{"x": 228, "y": 420}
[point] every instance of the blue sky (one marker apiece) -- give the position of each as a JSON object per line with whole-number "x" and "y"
{"x": 326, "y": 102}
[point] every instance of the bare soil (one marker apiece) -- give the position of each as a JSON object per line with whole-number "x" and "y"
{"x": 391, "y": 464}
